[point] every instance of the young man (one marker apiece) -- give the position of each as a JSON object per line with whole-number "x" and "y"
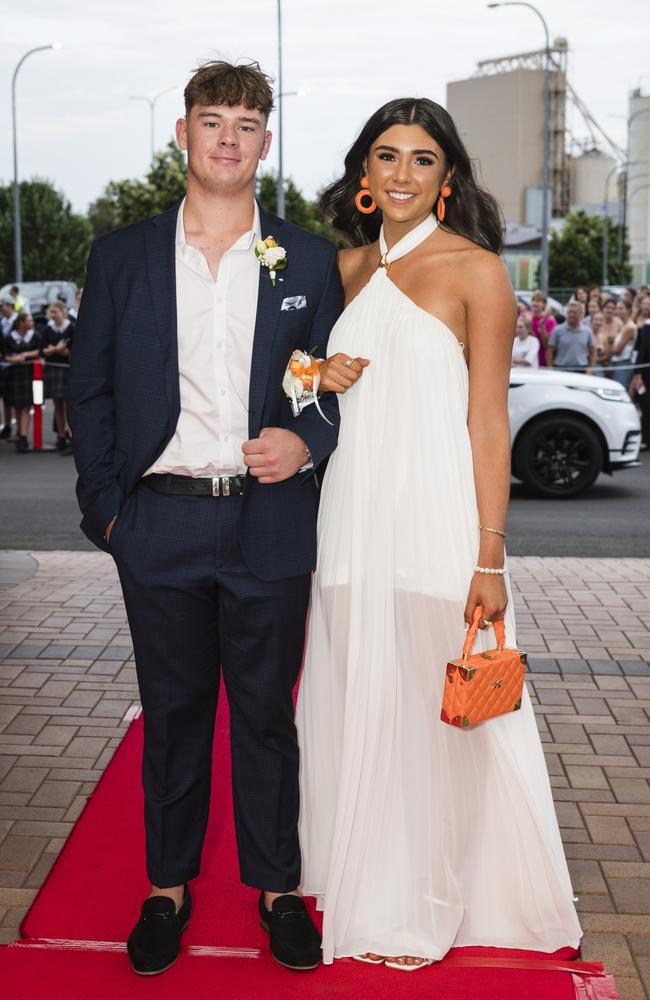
{"x": 196, "y": 477}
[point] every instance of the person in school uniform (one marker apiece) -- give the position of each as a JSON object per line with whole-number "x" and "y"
{"x": 20, "y": 347}
{"x": 56, "y": 338}
{"x": 7, "y": 319}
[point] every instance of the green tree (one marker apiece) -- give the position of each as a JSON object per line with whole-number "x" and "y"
{"x": 129, "y": 201}
{"x": 55, "y": 239}
{"x": 575, "y": 255}
{"x": 299, "y": 210}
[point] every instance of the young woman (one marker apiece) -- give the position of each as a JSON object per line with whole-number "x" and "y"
{"x": 580, "y": 295}
{"x": 415, "y": 835}
{"x": 593, "y": 293}
{"x": 602, "y": 344}
{"x": 622, "y": 347}
{"x": 57, "y": 337}
{"x": 525, "y": 347}
{"x": 542, "y": 323}
{"x": 612, "y": 325}
{"x": 19, "y": 348}
{"x": 593, "y": 307}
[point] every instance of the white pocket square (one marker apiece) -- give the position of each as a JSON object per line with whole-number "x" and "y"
{"x": 293, "y": 302}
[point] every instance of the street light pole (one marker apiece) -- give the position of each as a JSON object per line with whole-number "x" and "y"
{"x": 605, "y": 280}
{"x": 18, "y": 232}
{"x": 151, "y": 101}
{"x": 280, "y": 198}
{"x": 547, "y": 139}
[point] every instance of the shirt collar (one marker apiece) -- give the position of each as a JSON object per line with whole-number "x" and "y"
{"x": 245, "y": 242}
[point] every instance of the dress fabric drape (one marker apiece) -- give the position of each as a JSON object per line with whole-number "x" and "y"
{"x": 415, "y": 836}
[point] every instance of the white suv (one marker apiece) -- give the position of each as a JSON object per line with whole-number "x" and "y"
{"x": 567, "y": 428}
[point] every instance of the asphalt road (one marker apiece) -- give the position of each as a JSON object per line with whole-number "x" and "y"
{"x": 39, "y": 511}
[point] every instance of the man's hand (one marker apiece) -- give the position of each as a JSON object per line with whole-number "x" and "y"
{"x": 275, "y": 455}
{"x": 107, "y": 533}
{"x": 340, "y": 372}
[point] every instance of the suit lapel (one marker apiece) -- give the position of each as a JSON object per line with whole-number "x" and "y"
{"x": 161, "y": 270}
{"x": 269, "y": 299}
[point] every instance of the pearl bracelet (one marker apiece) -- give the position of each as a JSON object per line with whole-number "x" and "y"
{"x": 486, "y": 569}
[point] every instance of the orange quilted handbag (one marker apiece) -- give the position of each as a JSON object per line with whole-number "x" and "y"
{"x": 479, "y": 686}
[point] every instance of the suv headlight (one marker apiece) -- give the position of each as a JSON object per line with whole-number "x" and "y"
{"x": 614, "y": 395}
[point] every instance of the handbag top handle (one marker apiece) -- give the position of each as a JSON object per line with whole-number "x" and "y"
{"x": 497, "y": 625}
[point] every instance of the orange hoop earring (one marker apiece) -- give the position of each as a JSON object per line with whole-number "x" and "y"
{"x": 441, "y": 207}
{"x": 369, "y": 207}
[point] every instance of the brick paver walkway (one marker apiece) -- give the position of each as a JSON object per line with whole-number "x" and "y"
{"x": 67, "y": 691}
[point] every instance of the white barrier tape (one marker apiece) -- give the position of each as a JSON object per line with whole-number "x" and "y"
{"x": 608, "y": 366}
{"x": 37, "y": 393}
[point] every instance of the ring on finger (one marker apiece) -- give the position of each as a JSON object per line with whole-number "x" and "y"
{"x": 486, "y": 621}
{"x": 349, "y": 363}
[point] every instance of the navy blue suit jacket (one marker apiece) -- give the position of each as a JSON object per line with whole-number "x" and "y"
{"x": 124, "y": 399}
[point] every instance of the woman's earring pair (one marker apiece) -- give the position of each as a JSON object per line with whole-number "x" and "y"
{"x": 365, "y": 203}
{"x": 441, "y": 207}
{"x": 366, "y": 207}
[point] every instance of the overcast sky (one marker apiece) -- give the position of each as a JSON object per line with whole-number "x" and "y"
{"x": 77, "y": 126}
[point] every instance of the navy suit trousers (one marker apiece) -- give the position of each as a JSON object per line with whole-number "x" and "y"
{"x": 195, "y": 609}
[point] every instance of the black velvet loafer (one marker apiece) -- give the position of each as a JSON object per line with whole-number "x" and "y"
{"x": 155, "y": 940}
{"x": 295, "y": 942}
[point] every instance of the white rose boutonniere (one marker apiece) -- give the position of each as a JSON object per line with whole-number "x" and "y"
{"x": 270, "y": 254}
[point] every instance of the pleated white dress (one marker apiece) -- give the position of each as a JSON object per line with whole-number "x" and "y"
{"x": 415, "y": 836}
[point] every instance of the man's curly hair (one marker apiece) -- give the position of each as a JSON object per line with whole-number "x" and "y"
{"x": 218, "y": 82}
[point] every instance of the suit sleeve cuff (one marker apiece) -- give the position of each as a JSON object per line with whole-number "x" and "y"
{"x": 105, "y": 507}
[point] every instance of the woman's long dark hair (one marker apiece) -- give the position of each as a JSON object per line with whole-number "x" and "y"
{"x": 470, "y": 210}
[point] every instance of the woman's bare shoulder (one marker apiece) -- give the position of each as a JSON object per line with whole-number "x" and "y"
{"x": 484, "y": 268}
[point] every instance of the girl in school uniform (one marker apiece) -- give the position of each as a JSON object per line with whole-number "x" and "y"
{"x": 56, "y": 339}
{"x": 20, "y": 347}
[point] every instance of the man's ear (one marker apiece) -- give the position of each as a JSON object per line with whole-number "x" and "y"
{"x": 181, "y": 133}
{"x": 266, "y": 145}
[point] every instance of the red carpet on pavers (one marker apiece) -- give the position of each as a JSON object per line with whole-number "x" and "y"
{"x": 74, "y": 933}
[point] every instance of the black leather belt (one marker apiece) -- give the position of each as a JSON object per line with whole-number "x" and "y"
{"x": 213, "y": 486}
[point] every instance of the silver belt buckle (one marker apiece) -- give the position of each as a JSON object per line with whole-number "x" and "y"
{"x": 215, "y": 486}
{"x": 225, "y": 486}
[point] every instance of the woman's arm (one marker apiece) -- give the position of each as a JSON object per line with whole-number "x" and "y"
{"x": 623, "y": 338}
{"x": 491, "y": 318}
{"x": 339, "y": 372}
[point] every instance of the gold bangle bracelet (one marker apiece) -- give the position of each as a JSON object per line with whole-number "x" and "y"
{"x": 495, "y": 531}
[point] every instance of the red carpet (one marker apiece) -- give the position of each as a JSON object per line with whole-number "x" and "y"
{"x": 75, "y": 931}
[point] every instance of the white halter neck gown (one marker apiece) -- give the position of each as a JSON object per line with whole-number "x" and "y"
{"x": 415, "y": 836}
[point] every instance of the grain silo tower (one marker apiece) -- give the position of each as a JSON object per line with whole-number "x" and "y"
{"x": 638, "y": 184}
{"x": 593, "y": 183}
{"x": 500, "y": 116}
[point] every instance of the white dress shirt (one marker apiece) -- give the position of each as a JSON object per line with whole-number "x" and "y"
{"x": 216, "y": 324}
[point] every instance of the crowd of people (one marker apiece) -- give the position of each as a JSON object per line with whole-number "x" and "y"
{"x": 24, "y": 338}
{"x": 594, "y": 333}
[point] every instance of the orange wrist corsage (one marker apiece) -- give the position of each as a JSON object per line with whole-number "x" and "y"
{"x": 301, "y": 381}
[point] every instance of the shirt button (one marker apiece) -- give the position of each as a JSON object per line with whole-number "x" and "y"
{"x": 226, "y": 437}
{"x": 222, "y": 392}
